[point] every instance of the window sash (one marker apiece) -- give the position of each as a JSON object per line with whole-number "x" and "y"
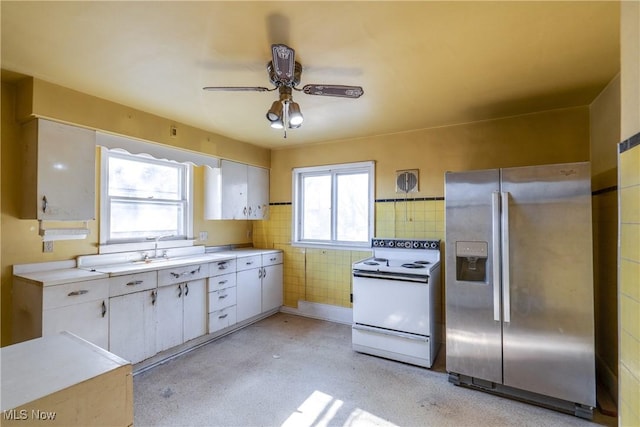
{"x": 180, "y": 203}
{"x": 301, "y": 234}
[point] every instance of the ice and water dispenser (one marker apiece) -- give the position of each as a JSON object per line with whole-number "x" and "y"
{"x": 471, "y": 261}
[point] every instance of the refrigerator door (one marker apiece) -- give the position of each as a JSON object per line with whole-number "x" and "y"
{"x": 474, "y": 341}
{"x": 548, "y": 342}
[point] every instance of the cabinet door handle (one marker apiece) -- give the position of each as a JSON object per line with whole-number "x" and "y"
{"x": 179, "y": 291}
{"x": 223, "y": 316}
{"x": 104, "y": 309}
{"x": 244, "y": 211}
{"x": 154, "y": 295}
{"x": 135, "y": 282}
{"x": 186, "y": 289}
{"x": 264, "y": 273}
{"x": 45, "y": 204}
{"x": 76, "y": 293}
{"x": 259, "y": 273}
{"x": 249, "y": 210}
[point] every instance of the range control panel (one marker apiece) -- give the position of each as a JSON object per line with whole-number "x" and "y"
{"x": 405, "y": 243}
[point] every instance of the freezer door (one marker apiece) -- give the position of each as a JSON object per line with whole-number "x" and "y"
{"x": 473, "y": 333}
{"x": 548, "y": 341}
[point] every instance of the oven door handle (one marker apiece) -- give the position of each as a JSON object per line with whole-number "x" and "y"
{"x": 387, "y": 276}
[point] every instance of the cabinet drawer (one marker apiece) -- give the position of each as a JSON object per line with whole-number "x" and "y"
{"x": 221, "y": 319}
{"x": 222, "y": 298}
{"x": 271, "y": 258}
{"x": 186, "y": 273}
{"x": 222, "y": 267}
{"x": 221, "y": 282}
{"x": 121, "y": 285}
{"x": 248, "y": 262}
{"x": 74, "y": 293}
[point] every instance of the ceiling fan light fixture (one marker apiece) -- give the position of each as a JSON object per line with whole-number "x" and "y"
{"x": 295, "y": 115}
{"x": 275, "y": 112}
{"x": 277, "y": 124}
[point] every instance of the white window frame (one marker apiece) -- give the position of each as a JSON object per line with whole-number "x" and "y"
{"x": 105, "y": 208}
{"x": 334, "y": 170}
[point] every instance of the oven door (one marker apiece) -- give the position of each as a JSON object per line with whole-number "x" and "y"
{"x": 397, "y": 305}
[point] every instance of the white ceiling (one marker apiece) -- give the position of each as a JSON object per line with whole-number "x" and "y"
{"x": 422, "y": 64}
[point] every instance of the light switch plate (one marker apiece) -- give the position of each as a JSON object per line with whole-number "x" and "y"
{"x": 47, "y": 246}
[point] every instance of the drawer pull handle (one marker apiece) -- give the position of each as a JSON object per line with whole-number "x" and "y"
{"x": 76, "y": 293}
{"x": 222, "y": 282}
{"x": 249, "y": 262}
{"x": 135, "y": 282}
{"x": 185, "y": 273}
{"x": 223, "y": 316}
{"x": 222, "y": 296}
{"x": 104, "y": 309}
{"x": 154, "y": 294}
{"x": 222, "y": 265}
{"x": 272, "y": 259}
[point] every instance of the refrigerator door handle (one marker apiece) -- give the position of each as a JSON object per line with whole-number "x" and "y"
{"x": 506, "y": 299}
{"x": 495, "y": 242}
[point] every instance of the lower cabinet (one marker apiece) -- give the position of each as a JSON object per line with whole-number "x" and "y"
{"x": 81, "y": 307}
{"x": 249, "y": 293}
{"x": 259, "y": 284}
{"x": 181, "y": 313}
{"x": 272, "y": 277}
{"x": 132, "y": 325}
{"x": 194, "y": 315}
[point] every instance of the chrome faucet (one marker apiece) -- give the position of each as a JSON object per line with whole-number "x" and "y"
{"x": 156, "y": 240}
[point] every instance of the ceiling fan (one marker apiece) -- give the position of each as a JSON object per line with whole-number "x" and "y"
{"x": 284, "y": 73}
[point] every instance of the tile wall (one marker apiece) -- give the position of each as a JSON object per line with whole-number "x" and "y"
{"x": 324, "y": 275}
{"x": 629, "y": 285}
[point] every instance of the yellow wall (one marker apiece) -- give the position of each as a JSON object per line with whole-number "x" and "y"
{"x": 32, "y": 97}
{"x": 605, "y": 135}
{"x": 324, "y": 275}
{"x": 629, "y": 187}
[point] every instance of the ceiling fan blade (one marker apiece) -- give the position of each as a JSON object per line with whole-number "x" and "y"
{"x": 283, "y": 63}
{"x": 238, "y": 88}
{"x": 334, "y": 90}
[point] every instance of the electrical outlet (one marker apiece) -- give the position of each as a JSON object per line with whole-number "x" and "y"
{"x": 173, "y": 131}
{"x": 204, "y": 235}
{"x": 47, "y": 246}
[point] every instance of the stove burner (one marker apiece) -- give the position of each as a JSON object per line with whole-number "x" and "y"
{"x": 413, "y": 265}
{"x": 421, "y": 262}
{"x": 371, "y": 263}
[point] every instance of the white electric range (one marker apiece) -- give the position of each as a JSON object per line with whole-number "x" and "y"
{"x": 396, "y": 301}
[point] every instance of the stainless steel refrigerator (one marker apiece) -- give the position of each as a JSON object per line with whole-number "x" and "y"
{"x": 519, "y": 284}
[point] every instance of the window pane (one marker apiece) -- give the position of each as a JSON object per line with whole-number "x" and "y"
{"x": 316, "y": 207}
{"x": 143, "y": 179}
{"x": 130, "y": 220}
{"x": 353, "y": 207}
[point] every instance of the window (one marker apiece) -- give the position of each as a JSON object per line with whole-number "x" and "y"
{"x": 144, "y": 198}
{"x": 333, "y": 205}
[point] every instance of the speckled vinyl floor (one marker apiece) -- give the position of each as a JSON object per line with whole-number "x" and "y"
{"x": 293, "y": 371}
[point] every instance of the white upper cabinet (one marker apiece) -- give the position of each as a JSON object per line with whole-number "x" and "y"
{"x": 236, "y": 191}
{"x": 58, "y": 171}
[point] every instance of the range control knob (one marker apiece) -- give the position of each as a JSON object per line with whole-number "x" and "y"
{"x": 390, "y": 244}
{"x": 416, "y": 245}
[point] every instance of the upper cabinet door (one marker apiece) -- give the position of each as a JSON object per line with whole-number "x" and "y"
{"x": 58, "y": 171}
{"x": 234, "y": 190}
{"x": 258, "y": 200}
